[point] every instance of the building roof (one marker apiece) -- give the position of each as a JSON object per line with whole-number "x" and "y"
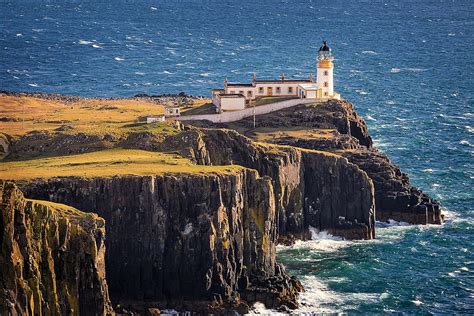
{"x": 325, "y": 47}
{"x": 240, "y": 85}
{"x": 284, "y": 81}
{"x": 232, "y": 95}
{"x": 310, "y": 86}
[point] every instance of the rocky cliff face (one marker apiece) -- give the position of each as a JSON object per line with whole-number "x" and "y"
{"x": 310, "y": 187}
{"x": 395, "y": 197}
{"x": 190, "y": 242}
{"x": 51, "y": 259}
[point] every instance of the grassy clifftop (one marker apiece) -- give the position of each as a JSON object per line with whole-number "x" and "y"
{"x": 107, "y": 163}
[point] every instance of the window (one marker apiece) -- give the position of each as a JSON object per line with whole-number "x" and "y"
{"x": 241, "y": 92}
{"x": 177, "y": 111}
{"x": 277, "y": 89}
{"x": 326, "y": 94}
{"x": 260, "y": 90}
{"x": 249, "y": 94}
{"x": 326, "y": 84}
{"x": 290, "y": 89}
{"x": 326, "y": 73}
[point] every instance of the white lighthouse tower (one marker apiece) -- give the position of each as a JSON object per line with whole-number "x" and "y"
{"x": 325, "y": 71}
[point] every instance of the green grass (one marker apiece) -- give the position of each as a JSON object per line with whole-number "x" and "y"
{"x": 107, "y": 163}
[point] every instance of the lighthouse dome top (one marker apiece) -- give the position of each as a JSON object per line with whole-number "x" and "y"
{"x": 324, "y": 52}
{"x": 325, "y": 47}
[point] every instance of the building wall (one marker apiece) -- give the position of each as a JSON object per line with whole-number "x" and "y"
{"x": 311, "y": 94}
{"x": 233, "y": 116}
{"x": 215, "y": 99}
{"x": 256, "y": 91}
{"x": 328, "y": 90}
{"x": 232, "y": 104}
{"x": 172, "y": 111}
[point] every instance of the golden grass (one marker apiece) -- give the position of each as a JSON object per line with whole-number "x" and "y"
{"x": 270, "y": 134}
{"x": 62, "y": 209}
{"x": 276, "y": 148}
{"x": 92, "y": 116}
{"x": 107, "y": 163}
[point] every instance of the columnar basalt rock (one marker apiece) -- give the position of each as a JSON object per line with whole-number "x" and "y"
{"x": 51, "y": 259}
{"x": 312, "y": 188}
{"x": 182, "y": 237}
{"x": 395, "y": 197}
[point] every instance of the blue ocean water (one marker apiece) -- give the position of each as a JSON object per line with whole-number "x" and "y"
{"x": 408, "y": 67}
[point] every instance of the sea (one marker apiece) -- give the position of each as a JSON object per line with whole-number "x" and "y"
{"x": 406, "y": 65}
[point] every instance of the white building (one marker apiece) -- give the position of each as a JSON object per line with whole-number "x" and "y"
{"x": 153, "y": 119}
{"x": 172, "y": 110}
{"x": 236, "y": 96}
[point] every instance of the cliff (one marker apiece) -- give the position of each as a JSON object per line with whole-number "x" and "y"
{"x": 189, "y": 242}
{"x": 336, "y": 127}
{"x": 52, "y": 258}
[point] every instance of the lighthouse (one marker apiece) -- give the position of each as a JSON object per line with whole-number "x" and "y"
{"x": 325, "y": 71}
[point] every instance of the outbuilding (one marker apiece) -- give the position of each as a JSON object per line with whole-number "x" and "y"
{"x": 172, "y": 111}
{"x": 232, "y": 102}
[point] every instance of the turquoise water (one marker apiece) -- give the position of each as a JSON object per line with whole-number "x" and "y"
{"x": 407, "y": 66}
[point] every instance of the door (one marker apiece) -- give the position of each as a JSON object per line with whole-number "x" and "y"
{"x": 269, "y": 91}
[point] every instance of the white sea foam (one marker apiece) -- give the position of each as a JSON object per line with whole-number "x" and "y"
{"x": 320, "y": 241}
{"x": 428, "y": 170}
{"x": 319, "y": 298}
{"x": 465, "y": 142}
{"x": 417, "y": 302}
{"x": 395, "y": 70}
{"x": 371, "y": 118}
{"x": 33, "y": 84}
{"x": 119, "y": 58}
{"x": 153, "y": 8}
{"x": 167, "y": 72}
{"x": 369, "y": 52}
{"x": 416, "y": 69}
{"x": 84, "y": 42}
{"x": 392, "y": 223}
{"x": 96, "y": 46}
{"x": 361, "y": 92}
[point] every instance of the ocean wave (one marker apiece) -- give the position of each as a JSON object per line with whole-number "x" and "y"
{"x": 320, "y": 241}
{"x": 361, "y": 92}
{"x": 466, "y": 142}
{"x": 369, "y": 52}
{"x": 371, "y": 118}
{"x": 84, "y": 42}
{"x": 392, "y": 223}
{"x": 119, "y": 58}
{"x": 395, "y": 70}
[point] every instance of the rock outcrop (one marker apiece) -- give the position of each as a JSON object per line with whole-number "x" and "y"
{"x": 395, "y": 197}
{"x": 51, "y": 259}
{"x": 189, "y": 242}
